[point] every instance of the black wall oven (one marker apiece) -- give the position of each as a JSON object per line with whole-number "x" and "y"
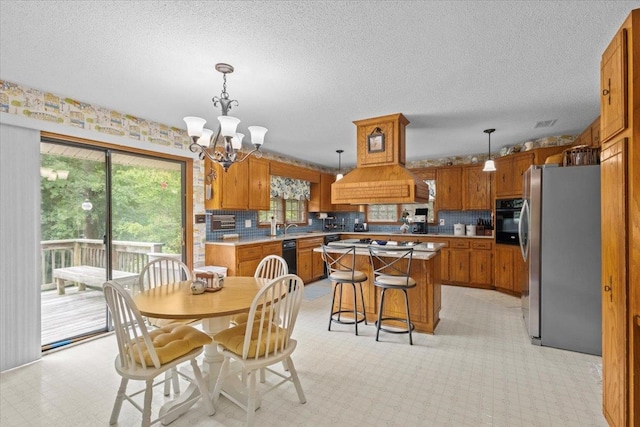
{"x": 507, "y": 221}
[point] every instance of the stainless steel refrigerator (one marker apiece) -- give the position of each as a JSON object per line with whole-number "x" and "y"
{"x": 560, "y": 238}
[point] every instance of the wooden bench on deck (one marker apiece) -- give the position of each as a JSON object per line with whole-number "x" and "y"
{"x": 93, "y": 277}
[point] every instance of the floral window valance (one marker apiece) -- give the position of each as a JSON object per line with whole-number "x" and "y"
{"x": 289, "y": 188}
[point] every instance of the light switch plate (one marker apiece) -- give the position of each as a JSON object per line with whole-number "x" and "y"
{"x": 247, "y": 223}
{"x": 310, "y": 221}
{"x": 442, "y": 221}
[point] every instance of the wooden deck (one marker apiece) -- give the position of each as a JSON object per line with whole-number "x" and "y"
{"x": 73, "y": 314}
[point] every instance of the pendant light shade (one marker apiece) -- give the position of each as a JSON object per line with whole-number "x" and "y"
{"x": 489, "y": 165}
{"x": 339, "y": 176}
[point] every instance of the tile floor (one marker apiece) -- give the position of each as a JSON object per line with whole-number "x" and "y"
{"x": 479, "y": 369}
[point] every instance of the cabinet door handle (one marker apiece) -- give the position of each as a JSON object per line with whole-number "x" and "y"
{"x": 605, "y": 92}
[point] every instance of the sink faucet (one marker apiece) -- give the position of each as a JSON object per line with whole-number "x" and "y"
{"x": 286, "y": 227}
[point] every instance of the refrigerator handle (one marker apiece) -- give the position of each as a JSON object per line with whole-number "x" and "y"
{"x": 524, "y": 244}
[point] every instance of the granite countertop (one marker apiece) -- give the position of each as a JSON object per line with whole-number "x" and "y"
{"x": 417, "y": 247}
{"x": 420, "y": 252}
{"x": 307, "y": 234}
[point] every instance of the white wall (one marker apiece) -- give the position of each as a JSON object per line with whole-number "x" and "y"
{"x": 19, "y": 246}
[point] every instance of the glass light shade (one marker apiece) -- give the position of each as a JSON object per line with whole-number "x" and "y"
{"x": 87, "y": 205}
{"x": 63, "y": 174}
{"x": 205, "y": 138}
{"x": 194, "y": 125}
{"x": 489, "y": 166}
{"x": 52, "y": 176}
{"x": 257, "y": 134}
{"x": 228, "y": 125}
{"x": 339, "y": 177}
{"x": 236, "y": 141}
{"x": 45, "y": 172}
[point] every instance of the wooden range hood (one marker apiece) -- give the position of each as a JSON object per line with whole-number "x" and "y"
{"x": 380, "y": 176}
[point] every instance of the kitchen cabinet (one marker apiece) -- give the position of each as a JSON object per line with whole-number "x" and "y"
{"x": 510, "y": 269}
{"x": 320, "y": 200}
{"x": 476, "y": 188}
{"x": 614, "y": 291}
{"x": 509, "y": 171}
{"x": 590, "y": 136}
{"x": 424, "y": 298}
{"x": 449, "y": 182}
{"x": 620, "y": 217}
{"x": 481, "y": 264}
{"x": 595, "y": 133}
{"x": 245, "y": 185}
{"x": 613, "y": 87}
{"x": 240, "y": 260}
{"x": 459, "y": 261}
{"x": 511, "y": 168}
{"x": 309, "y": 264}
{"x": 470, "y": 263}
{"x": 259, "y": 184}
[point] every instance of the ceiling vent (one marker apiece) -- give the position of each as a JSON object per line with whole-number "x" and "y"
{"x": 546, "y": 123}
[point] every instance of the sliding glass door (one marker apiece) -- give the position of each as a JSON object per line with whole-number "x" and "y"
{"x": 104, "y": 215}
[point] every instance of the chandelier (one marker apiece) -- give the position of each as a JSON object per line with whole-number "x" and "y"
{"x": 206, "y": 144}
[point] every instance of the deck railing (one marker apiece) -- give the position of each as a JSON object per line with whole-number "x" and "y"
{"x": 127, "y": 256}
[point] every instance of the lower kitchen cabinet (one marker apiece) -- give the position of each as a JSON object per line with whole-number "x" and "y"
{"x": 309, "y": 264}
{"x": 240, "y": 260}
{"x": 459, "y": 261}
{"x": 511, "y": 270}
{"x": 463, "y": 261}
{"x": 481, "y": 264}
{"x": 470, "y": 263}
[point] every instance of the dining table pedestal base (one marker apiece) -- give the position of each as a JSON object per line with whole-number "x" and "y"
{"x": 211, "y": 363}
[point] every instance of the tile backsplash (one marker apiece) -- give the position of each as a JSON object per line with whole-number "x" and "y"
{"x": 339, "y": 218}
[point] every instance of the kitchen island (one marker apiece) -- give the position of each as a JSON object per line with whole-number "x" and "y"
{"x": 424, "y": 299}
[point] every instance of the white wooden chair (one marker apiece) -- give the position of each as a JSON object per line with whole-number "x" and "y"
{"x": 163, "y": 271}
{"x": 270, "y": 267}
{"x": 144, "y": 355}
{"x": 263, "y": 341}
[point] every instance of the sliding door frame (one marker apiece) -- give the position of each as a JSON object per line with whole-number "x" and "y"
{"x": 187, "y": 234}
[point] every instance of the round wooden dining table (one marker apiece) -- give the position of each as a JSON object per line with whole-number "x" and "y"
{"x": 175, "y": 301}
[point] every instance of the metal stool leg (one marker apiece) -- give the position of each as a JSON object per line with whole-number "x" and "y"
{"x": 409, "y": 325}
{"x": 355, "y": 307}
{"x": 339, "y": 300}
{"x": 364, "y": 311}
{"x": 379, "y": 322}
{"x": 333, "y": 301}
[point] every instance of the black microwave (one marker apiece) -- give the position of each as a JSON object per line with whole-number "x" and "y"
{"x": 507, "y": 221}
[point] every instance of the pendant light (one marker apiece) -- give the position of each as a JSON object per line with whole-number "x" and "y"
{"x": 489, "y": 165}
{"x": 339, "y": 176}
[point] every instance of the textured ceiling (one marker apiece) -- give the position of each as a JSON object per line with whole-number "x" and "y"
{"x": 307, "y": 70}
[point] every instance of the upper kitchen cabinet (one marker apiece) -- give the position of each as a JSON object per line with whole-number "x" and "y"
{"x": 613, "y": 87}
{"x": 590, "y": 136}
{"x": 245, "y": 185}
{"x": 259, "y": 184}
{"x": 510, "y": 169}
{"x": 509, "y": 172}
{"x": 320, "y": 200}
{"x": 449, "y": 181}
{"x": 476, "y": 188}
{"x": 321, "y": 197}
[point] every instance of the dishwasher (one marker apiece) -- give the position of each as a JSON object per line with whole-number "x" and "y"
{"x": 289, "y": 254}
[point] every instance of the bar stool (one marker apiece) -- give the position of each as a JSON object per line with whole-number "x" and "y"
{"x": 341, "y": 263}
{"x": 391, "y": 268}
